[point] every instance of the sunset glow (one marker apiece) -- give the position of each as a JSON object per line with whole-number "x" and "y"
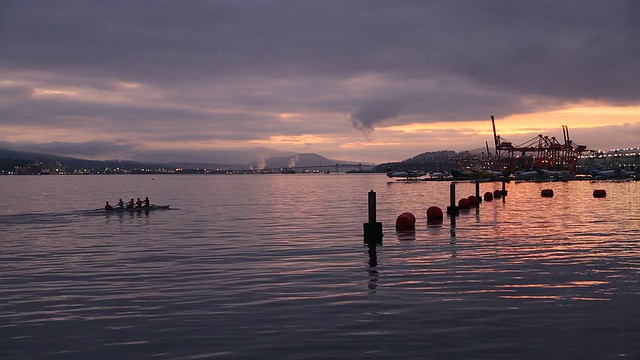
{"x": 359, "y": 96}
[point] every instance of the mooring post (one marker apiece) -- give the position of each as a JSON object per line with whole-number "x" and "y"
{"x": 504, "y": 192}
{"x": 478, "y": 198}
{"x": 372, "y": 206}
{"x": 372, "y": 229}
{"x": 452, "y": 209}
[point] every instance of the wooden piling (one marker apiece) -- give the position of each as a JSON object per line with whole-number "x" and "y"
{"x": 372, "y": 229}
{"x": 452, "y": 209}
{"x": 372, "y": 206}
{"x": 504, "y": 191}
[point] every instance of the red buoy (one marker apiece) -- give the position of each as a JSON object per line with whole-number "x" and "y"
{"x": 546, "y": 193}
{"x": 406, "y": 221}
{"x": 464, "y": 204}
{"x": 473, "y": 201}
{"x": 599, "y": 193}
{"x": 497, "y": 194}
{"x": 488, "y": 196}
{"x": 434, "y": 214}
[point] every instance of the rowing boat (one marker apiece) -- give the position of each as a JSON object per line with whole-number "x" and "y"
{"x": 145, "y": 208}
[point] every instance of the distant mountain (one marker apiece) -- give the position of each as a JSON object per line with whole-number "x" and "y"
{"x": 432, "y": 156}
{"x": 300, "y": 160}
{"x": 69, "y": 161}
{"x": 434, "y": 161}
{"x": 13, "y": 158}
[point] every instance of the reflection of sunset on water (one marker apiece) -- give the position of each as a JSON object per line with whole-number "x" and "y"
{"x": 271, "y": 259}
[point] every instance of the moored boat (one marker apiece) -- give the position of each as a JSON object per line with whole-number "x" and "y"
{"x": 409, "y": 174}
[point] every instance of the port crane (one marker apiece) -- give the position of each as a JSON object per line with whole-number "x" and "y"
{"x": 539, "y": 153}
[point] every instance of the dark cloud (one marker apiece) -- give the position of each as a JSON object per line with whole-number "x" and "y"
{"x": 367, "y": 115}
{"x": 599, "y": 138}
{"x": 55, "y": 113}
{"x": 520, "y": 45}
{"x": 227, "y": 70}
{"x": 89, "y": 149}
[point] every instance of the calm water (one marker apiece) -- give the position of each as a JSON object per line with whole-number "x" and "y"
{"x": 273, "y": 267}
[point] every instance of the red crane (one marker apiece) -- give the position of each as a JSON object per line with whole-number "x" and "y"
{"x": 538, "y": 153}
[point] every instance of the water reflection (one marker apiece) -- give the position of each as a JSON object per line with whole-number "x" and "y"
{"x": 130, "y": 213}
{"x": 373, "y": 263}
{"x": 267, "y": 268}
{"x": 406, "y": 235}
{"x": 454, "y": 251}
{"x": 453, "y": 226}
{"x": 373, "y": 279}
{"x": 373, "y": 255}
{"x": 452, "y": 242}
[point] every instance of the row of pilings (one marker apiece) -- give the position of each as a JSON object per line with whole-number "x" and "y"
{"x": 407, "y": 221}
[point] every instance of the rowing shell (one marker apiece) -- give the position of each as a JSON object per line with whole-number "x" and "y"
{"x": 147, "y": 208}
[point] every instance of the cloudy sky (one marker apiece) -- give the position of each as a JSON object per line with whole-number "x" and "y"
{"x": 367, "y": 81}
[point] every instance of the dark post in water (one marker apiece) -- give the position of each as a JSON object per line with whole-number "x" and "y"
{"x": 452, "y": 209}
{"x": 504, "y": 192}
{"x": 372, "y": 229}
{"x": 478, "y": 198}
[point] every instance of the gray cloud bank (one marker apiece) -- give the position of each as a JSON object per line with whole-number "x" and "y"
{"x": 223, "y": 70}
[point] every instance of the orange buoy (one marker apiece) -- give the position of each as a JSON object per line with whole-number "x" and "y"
{"x": 599, "y": 193}
{"x": 473, "y": 201}
{"x": 406, "y": 221}
{"x": 434, "y": 214}
{"x": 464, "y": 204}
{"x": 488, "y": 196}
{"x": 497, "y": 194}
{"x": 546, "y": 193}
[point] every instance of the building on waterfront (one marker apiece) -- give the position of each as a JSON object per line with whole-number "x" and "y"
{"x": 625, "y": 159}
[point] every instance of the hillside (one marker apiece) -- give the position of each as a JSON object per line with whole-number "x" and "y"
{"x": 433, "y": 156}
{"x": 435, "y": 161}
{"x": 10, "y": 159}
{"x": 301, "y": 160}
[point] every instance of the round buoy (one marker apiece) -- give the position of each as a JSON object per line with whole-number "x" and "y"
{"x": 406, "y": 221}
{"x": 599, "y": 193}
{"x": 434, "y": 214}
{"x": 464, "y": 204}
{"x": 473, "y": 201}
{"x": 497, "y": 194}
{"x": 546, "y": 193}
{"x": 488, "y": 196}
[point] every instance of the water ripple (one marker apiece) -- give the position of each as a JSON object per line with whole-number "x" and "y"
{"x": 275, "y": 267}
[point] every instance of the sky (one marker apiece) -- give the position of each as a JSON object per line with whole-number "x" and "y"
{"x": 370, "y": 81}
